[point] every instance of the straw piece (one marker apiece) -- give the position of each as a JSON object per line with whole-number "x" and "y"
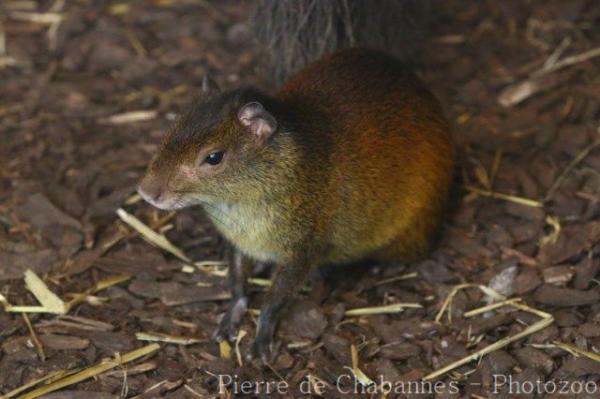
{"x": 4, "y": 301}
{"x": 551, "y": 237}
{"x": 505, "y": 197}
{"x": 48, "y": 18}
{"x": 299, "y": 344}
{"x": 536, "y": 82}
{"x": 361, "y": 377}
{"x": 577, "y": 351}
{"x": 188, "y": 269}
{"x": 77, "y": 298}
{"x": 216, "y": 268}
{"x": 449, "y": 299}
{"x": 261, "y": 282}
{"x": 401, "y": 277}
{"x": 537, "y": 312}
{"x": 254, "y": 312}
{"x": 34, "y": 338}
{"x": 491, "y": 293}
{"x": 489, "y": 307}
{"x": 25, "y": 309}
{"x": 92, "y": 371}
{"x": 48, "y": 299}
{"x": 170, "y": 339}
{"x": 6, "y": 61}
{"x": 225, "y": 349}
{"x": 51, "y": 303}
{"x": 521, "y": 91}
{"x": 151, "y": 236}
{"x": 119, "y": 8}
{"x": 54, "y": 375}
{"x": 130, "y": 117}
{"x": 241, "y": 334}
{"x": 546, "y": 320}
{"x": 205, "y": 263}
{"x": 140, "y": 368}
{"x": 393, "y": 308}
{"x": 574, "y": 59}
{"x": 134, "y": 199}
{"x": 212, "y": 267}
{"x": 20, "y": 309}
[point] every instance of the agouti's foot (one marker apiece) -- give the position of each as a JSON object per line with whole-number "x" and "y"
{"x": 262, "y": 349}
{"x": 230, "y": 323}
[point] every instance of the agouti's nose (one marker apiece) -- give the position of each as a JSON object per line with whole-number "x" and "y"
{"x": 150, "y": 190}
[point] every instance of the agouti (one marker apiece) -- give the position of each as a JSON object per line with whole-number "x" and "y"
{"x": 351, "y": 160}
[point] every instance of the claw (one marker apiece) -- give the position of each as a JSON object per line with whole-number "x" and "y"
{"x": 261, "y": 350}
{"x": 228, "y": 327}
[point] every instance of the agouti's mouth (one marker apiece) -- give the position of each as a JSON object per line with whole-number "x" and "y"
{"x": 166, "y": 204}
{"x": 152, "y": 191}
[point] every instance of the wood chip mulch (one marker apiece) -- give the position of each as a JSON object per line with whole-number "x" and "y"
{"x": 87, "y": 89}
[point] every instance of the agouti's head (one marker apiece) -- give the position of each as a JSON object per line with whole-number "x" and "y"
{"x": 219, "y": 150}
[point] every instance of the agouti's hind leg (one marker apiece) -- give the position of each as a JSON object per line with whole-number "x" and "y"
{"x": 239, "y": 269}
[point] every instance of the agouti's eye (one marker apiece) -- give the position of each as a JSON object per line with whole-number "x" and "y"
{"x": 214, "y": 158}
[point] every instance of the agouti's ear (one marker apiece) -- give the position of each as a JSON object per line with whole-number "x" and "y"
{"x": 258, "y": 120}
{"x": 209, "y": 86}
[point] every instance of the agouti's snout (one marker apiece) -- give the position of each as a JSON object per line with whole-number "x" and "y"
{"x": 150, "y": 190}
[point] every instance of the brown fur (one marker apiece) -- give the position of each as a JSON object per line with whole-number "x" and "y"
{"x": 390, "y": 160}
{"x": 359, "y": 168}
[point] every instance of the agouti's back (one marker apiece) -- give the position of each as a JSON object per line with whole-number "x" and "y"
{"x": 377, "y": 155}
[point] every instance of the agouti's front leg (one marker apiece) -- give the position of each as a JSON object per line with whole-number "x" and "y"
{"x": 239, "y": 270}
{"x": 287, "y": 281}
